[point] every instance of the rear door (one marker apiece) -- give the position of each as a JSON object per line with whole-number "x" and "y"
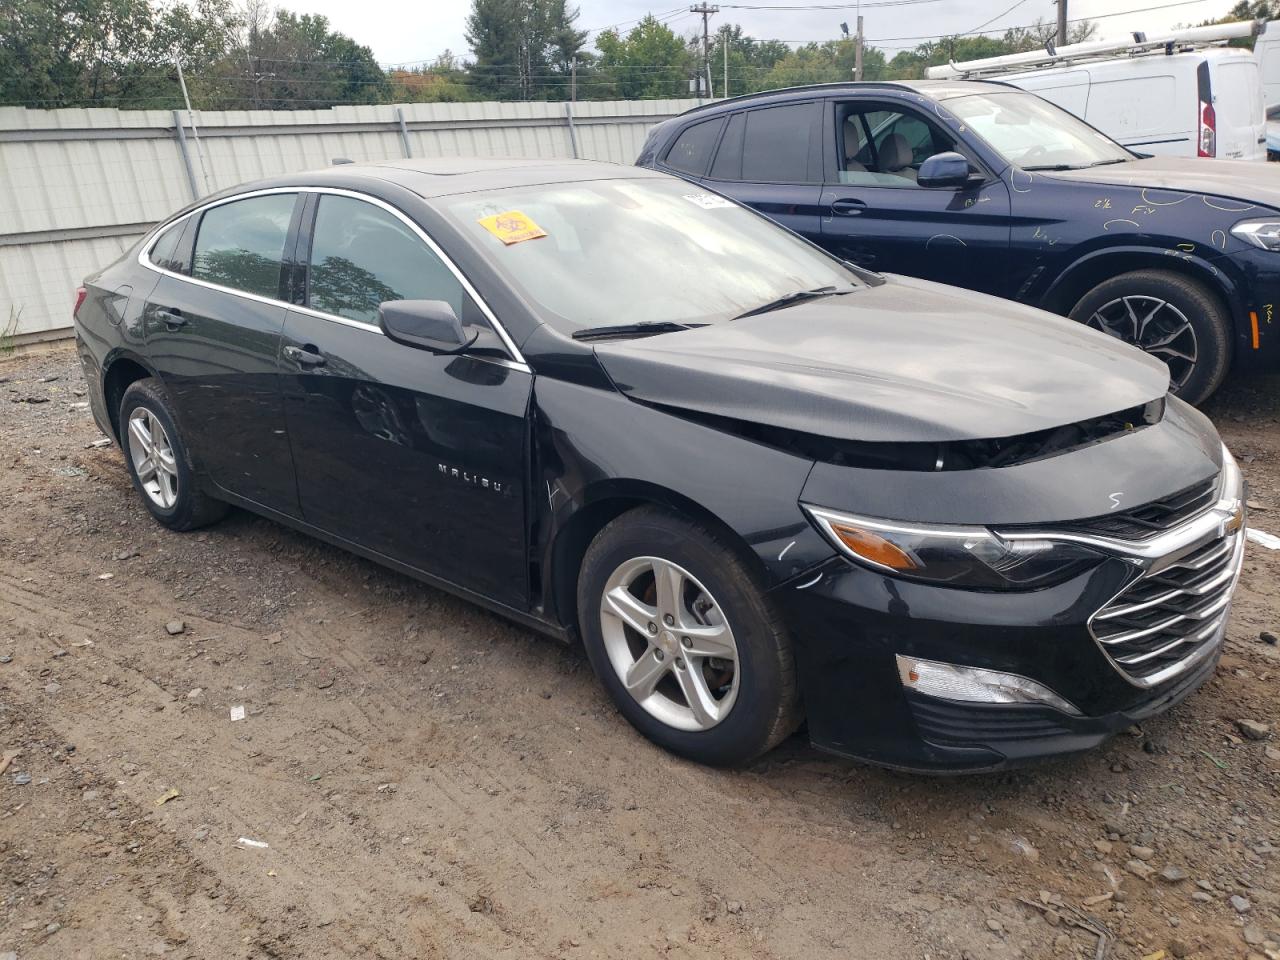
{"x": 876, "y": 214}
{"x": 212, "y": 327}
{"x": 418, "y": 456}
{"x": 770, "y": 158}
{"x": 1237, "y": 101}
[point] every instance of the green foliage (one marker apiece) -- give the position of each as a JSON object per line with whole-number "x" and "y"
{"x": 650, "y": 61}
{"x": 123, "y": 53}
{"x": 524, "y": 49}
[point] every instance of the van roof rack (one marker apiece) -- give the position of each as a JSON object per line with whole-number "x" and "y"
{"x": 1139, "y": 43}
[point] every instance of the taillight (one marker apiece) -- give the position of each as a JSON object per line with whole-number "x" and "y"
{"x": 1208, "y": 142}
{"x": 81, "y": 292}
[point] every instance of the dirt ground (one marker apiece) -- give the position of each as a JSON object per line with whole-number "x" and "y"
{"x": 426, "y": 780}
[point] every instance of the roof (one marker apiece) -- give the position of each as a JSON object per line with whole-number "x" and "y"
{"x": 441, "y": 176}
{"x": 938, "y": 89}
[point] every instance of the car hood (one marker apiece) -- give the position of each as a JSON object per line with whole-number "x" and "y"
{"x": 1244, "y": 185}
{"x": 907, "y": 360}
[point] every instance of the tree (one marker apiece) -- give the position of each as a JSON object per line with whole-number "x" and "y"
{"x": 524, "y": 49}
{"x": 292, "y": 61}
{"x": 651, "y": 61}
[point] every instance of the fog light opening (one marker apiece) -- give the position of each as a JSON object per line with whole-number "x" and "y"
{"x": 950, "y": 681}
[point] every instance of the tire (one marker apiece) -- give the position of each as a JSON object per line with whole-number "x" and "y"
{"x": 166, "y": 483}
{"x": 1192, "y": 323}
{"x": 752, "y": 702}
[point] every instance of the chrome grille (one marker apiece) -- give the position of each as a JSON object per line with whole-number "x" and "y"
{"x": 1166, "y": 617}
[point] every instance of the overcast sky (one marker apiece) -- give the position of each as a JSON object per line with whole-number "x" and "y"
{"x": 402, "y": 32}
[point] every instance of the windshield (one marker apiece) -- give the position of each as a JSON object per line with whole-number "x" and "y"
{"x": 611, "y": 252}
{"x": 1033, "y": 133}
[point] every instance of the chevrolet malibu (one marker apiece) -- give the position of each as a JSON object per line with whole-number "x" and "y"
{"x": 761, "y": 486}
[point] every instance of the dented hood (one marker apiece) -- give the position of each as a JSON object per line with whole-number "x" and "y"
{"x": 1230, "y": 186}
{"x": 907, "y": 360}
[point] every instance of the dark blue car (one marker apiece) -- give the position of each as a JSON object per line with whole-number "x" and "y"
{"x": 989, "y": 187}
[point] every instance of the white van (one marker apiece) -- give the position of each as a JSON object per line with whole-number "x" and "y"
{"x": 1266, "y": 50}
{"x": 1162, "y": 96}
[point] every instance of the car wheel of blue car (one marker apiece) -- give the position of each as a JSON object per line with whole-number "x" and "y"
{"x": 1169, "y": 316}
{"x": 683, "y": 639}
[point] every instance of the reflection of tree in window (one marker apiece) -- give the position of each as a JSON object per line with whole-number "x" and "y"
{"x": 240, "y": 270}
{"x": 340, "y": 287}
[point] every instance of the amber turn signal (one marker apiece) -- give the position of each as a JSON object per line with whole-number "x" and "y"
{"x": 873, "y": 548}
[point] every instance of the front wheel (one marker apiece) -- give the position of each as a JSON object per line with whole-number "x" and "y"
{"x": 1170, "y": 317}
{"x": 684, "y": 641}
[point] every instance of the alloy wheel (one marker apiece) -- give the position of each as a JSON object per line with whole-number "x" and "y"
{"x": 670, "y": 644}
{"x": 1154, "y": 326}
{"x": 153, "y": 458}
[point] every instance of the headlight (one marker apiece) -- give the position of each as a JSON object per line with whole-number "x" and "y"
{"x": 1263, "y": 233}
{"x": 959, "y": 556}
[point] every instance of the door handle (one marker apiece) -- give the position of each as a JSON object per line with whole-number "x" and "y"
{"x": 848, "y": 207}
{"x": 308, "y": 356}
{"x": 171, "y": 318}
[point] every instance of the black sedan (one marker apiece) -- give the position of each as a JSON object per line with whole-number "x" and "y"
{"x": 760, "y": 485}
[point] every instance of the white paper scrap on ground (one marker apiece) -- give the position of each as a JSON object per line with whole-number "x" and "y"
{"x": 1268, "y": 540}
{"x": 255, "y": 844}
{"x": 237, "y": 712}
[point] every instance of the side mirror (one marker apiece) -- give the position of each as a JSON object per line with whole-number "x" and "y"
{"x": 944, "y": 170}
{"x": 425, "y": 324}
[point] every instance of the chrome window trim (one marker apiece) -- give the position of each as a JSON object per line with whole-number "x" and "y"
{"x": 517, "y": 360}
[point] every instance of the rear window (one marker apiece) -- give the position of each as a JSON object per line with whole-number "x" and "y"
{"x": 781, "y": 144}
{"x": 164, "y": 252}
{"x": 1237, "y": 91}
{"x": 692, "y": 150}
{"x": 241, "y": 244}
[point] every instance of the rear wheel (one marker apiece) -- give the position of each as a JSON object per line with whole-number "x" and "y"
{"x": 159, "y": 462}
{"x": 684, "y": 641}
{"x": 1170, "y": 317}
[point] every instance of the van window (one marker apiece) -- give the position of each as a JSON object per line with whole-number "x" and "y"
{"x": 241, "y": 244}
{"x": 692, "y": 149}
{"x": 362, "y": 256}
{"x": 1237, "y": 92}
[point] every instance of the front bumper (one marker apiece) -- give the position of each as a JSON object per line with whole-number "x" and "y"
{"x": 851, "y": 623}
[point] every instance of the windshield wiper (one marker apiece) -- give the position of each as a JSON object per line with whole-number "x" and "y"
{"x": 1104, "y": 163}
{"x": 645, "y": 329}
{"x": 1057, "y": 166}
{"x": 791, "y": 298}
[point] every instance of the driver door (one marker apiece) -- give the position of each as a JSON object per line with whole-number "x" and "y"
{"x": 877, "y": 215}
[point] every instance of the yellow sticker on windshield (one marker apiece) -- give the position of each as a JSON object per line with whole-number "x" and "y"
{"x": 512, "y": 227}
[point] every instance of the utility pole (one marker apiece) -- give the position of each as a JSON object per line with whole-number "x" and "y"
{"x": 857, "y": 52}
{"x": 182, "y": 82}
{"x": 573, "y": 79}
{"x": 1062, "y": 23}
{"x": 725, "y": 43}
{"x": 706, "y": 9}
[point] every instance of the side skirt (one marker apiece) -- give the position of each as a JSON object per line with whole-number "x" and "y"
{"x": 520, "y": 617}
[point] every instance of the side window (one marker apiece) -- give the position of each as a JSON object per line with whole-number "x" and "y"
{"x": 886, "y": 147}
{"x": 781, "y": 144}
{"x": 728, "y": 165}
{"x": 241, "y": 244}
{"x": 362, "y": 256}
{"x": 692, "y": 149}
{"x": 164, "y": 252}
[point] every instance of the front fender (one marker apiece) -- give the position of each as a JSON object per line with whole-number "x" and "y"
{"x": 596, "y": 453}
